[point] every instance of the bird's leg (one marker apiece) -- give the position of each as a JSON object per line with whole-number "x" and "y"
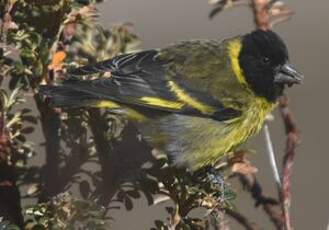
{"x": 210, "y": 176}
{"x": 216, "y": 178}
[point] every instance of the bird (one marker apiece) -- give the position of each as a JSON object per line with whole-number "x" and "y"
{"x": 195, "y": 100}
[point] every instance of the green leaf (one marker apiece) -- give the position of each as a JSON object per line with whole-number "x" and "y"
{"x": 134, "y": 194}
{"x": 128, "y": 203}
{"x": 30, "y": 118}
{"x": 84, "y": 188}
{"x": 27, "y": 130}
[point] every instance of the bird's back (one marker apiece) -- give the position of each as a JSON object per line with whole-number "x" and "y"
{"x": 207, "y": 66}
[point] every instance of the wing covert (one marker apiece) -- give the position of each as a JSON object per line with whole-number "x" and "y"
{"x": 142, "y": 79}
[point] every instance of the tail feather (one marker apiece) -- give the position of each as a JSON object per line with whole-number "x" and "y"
{"x": 63, "y": 96}
{"x": 67, "y": 96}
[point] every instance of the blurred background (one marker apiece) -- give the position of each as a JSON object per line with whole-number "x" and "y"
{"x": 57, "y": 166}
{"x": 159, "y": 23}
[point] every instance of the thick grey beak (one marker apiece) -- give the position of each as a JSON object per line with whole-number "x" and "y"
{"x": 287, "y": 74}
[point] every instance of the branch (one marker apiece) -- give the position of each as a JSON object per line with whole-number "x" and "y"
{"x": 50, "y": 122}
{"x": 241, "y": 219}
{"x": 293, "y": 138}
{"x": 271, "y": 154}
{"x": 263, "y": 10}
{"x": 269, "y": 13}
{"x": 261, "y": 14}
{"x": 10, "y": 200}
{"x": 250, "y": 182}
{"x": 105, "y": 155}
{"x": 266, "y": 14}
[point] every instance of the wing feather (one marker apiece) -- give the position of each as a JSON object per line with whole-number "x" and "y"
{"x": 141, "y": 79}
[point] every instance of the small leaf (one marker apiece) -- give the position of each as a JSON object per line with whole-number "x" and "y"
{"x": 21, "y": 138}
{"x": 128, "y": 203}
{"x": 26, "y": 110}
{"x": 159, "y": 224}
{"x": 30, "y": 118}
{"x": 170, "y": 209}
{"x": 244, "y": 168}
{"x": 134, "y": 194}
{"x": 34, "y": 188}
{"x": 57, "y": 61}
{"x": 218, "y": 7}
{"x": 121, "y": 195}
{"x": 27, "y": 130}
{"x": 84, "y": 189}
{"x": 148, "y": 196}
{"x": 58, "y": 58}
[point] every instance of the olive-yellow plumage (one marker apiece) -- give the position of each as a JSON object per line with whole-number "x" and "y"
{"x": 195, "y": 100}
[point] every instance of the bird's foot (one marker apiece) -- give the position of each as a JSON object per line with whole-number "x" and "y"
{"x": 217, "y": 179}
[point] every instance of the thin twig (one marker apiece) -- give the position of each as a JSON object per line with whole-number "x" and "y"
{"x": 105, "y": 154}
{"x": 223, "y": 223}
{"x": 50, "y": 124}
{"x": 10, "y": 202}
{"x": 293, "y": 138}
{"x": 251, "y": 184}
{"x": 271, "y": 155}
{"x": 262, "y": 17}
{"x": 261, "y": 13}
{"x": 241, "y": 219}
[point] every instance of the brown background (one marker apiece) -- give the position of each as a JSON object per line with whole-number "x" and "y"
{"x": 160, "y": 22}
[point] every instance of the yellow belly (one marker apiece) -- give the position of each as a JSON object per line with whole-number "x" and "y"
{"x": 229, "y": 134}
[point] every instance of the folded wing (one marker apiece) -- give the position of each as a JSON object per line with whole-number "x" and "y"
{"x": 141, "y": 79}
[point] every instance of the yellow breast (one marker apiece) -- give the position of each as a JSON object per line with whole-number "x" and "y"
{"x": 231, "y": 133}
{"x": 221, "y": 139}
{"x": 251, "y": 120}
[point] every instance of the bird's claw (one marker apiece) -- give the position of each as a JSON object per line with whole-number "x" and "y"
{"x": 217, "y": 179}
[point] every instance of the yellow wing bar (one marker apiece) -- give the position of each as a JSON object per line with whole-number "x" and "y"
{"x": 162, "y": 103}
{"x": 185, "y": 97}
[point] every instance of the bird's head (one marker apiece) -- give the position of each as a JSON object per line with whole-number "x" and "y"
{"x": 265, "y": 62}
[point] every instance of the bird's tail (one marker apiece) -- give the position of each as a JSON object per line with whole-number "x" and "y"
{"x": 65, "y": 96}
{"x": 70, "y": 97}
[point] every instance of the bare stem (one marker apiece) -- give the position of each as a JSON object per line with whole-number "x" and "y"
{"x": 50, "y": 122}
{"x": 251, "y": 184}
{"x": 241, "y": 219}
{"x": 262, "y": 16}
{"x": 10, "y": 202}
{"x": 105, "y": 154}
{"x": 293, "y": 138}
{"x": 271, "y": 155}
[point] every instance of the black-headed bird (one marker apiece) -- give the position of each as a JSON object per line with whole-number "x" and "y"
{"x": 196, "y": 100}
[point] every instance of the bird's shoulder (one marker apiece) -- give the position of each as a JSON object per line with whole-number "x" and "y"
{"x": 188, "y": 77}
{"x": 206, "y": 66}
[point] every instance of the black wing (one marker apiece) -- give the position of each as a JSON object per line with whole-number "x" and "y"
{"x": 141, "y": 79}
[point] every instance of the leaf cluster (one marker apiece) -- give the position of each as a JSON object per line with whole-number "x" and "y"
{"x": 66, "y": 212}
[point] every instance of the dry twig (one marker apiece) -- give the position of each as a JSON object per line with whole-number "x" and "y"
{"x": 241, "y": 219}
{"x": 292, "y": 141}
{"x": 270, "y": 151}
{"x": 263, "y": 11}
{"x": 251, "y": 184}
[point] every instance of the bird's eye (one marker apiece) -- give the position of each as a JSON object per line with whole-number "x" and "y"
{"x": 266, "y": 60}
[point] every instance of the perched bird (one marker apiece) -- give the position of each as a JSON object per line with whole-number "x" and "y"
{"x": 196, "y": 100}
